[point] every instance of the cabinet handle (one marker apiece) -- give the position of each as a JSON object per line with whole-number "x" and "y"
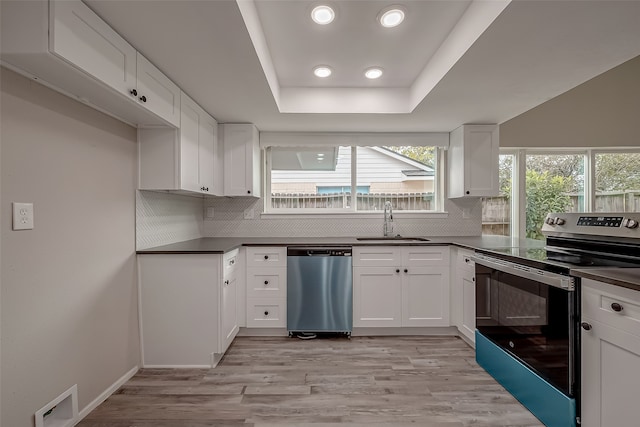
{"x": 143, "y": 98}
{"x": 248, "y": 191}
{"x": 266, "y": 257}
{"x": 133, "y": 92}
{"x": 616, "y": 307}
{"x": 467, "y": 192}
{"x": 406, "y": 271}
{"x": 226, "y": 282}
{"x": 233, "y": 261}
{"x": 586, "y": 326}
{"x": 397, "y": 270}
{"x": 266, "y": 313}
{"x": 473, "y": 279}
{"x": 266, "y": 282}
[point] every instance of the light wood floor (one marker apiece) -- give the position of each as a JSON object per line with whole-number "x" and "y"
{"x": 385, "y": 381}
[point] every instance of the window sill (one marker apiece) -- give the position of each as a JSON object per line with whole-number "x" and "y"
{"x": 353, "y": 215}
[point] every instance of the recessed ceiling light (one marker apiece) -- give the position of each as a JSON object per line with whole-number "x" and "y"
{"x": 373, "y": 73}
{"x": 322, "y": 15}
{"x": 322, "y": 71}
{"x": 391, "y": 17}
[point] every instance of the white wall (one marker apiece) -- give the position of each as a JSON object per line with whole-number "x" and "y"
{"x": 69, "y": 298}
{"x": 602, "y": 112}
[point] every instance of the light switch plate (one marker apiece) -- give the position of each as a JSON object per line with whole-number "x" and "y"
{"x": 208, "y": 212}
{"x": 22, "y": 216}
{"x": 248, "y": 213}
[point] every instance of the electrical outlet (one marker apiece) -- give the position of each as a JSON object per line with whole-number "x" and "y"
{"x": 208, "y": 213}
{"x": 248, "y": 213}
{"x": 466, "y": 213}
{"x": 22, "y": 216}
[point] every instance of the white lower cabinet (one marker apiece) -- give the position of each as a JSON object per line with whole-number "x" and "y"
{"x": 610, "y": 352}
{"x": 188, "y": 313}
{"x": 266, "y": 287}
{"x": 229, "y": 305}
{"x": 408, "y": 287}
{"x": 377, "y": 298}
{"x": 463, "y": 292}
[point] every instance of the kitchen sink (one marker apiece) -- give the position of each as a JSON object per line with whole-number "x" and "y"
{"x": 393, "y": 239}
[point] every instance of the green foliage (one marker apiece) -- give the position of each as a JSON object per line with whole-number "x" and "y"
{"x": 617, "y": 171}
{"x": 545, "y": 193}
{"x": 424, "y": 155}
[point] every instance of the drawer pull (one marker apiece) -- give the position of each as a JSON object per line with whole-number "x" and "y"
{"x": 586, "y": 326}
{"x": 266, "y": 313}
{"x": 397, "y": 270}
{"x": 406, "y": 270}
{"x": 226, "y": 282}
{"x": 266, "y": 282}
{"x": 266, "y": 257}
{"x": 616, "y": 307}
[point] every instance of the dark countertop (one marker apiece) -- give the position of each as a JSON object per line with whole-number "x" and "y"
{"x": 619, "y": 276}
{"x": 215, "y": 245}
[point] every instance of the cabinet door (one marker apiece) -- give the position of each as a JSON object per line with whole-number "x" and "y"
{"x": 156, "y": 92}
{"x": 229, "y": 318}
{"x": 207, "y": 147}
{"x": 610, "y": 376}
{"x": 376, "y": 297}
{"x": 240, "y": 148}
{"x": 82, "y": 38}
{"x": 481, "y": 160}
{"x": 190, "y": 116}
{"x": 425, "y": 296}
{"x": 468, "y": 327}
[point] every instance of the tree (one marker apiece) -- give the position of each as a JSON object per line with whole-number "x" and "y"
{"x": 545, "y": 193}
{"x": 617, "y": 172}
{"x": 424, "y": 155}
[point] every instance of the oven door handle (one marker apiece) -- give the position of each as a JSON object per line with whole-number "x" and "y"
{"x": 552, "y": 279}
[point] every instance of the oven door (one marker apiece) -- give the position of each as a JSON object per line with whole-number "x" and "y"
{"x": 530, "y": 315}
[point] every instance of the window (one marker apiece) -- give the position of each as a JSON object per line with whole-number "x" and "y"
{"x": 617, "y": 182}
{"x": 553, "y": 183}
{"x": 315, "y": 180}
{"x": 496, "y": 211}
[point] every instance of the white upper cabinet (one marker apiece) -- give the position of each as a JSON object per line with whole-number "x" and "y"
{"x": 156, "y": 92}
{"x": 180, "y": 159}
{"x": 241, "y": 160}
{"x": 80, "y": 37}
{"x": 473, "y": 161}
{"x": 68, "y": 47}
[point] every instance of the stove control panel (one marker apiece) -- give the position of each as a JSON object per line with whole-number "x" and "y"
{"x": 620, "y": 224}
{"x": 600, "y": 221}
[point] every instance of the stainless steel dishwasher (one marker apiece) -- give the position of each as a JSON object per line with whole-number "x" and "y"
{"x": 319, "y": 290}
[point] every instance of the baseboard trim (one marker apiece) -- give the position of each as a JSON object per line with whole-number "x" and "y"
{"x": 108, "y": 392}
{"x": 406, "y": 331}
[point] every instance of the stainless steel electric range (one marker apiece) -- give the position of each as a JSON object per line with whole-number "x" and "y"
{"x": 528, "y": 308}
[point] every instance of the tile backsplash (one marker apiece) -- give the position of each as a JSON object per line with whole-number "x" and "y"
{"x": 163, "y": 218}
{"x": 229, "y": 221}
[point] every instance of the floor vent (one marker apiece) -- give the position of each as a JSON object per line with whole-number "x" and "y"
{"x": 61, "y": 411}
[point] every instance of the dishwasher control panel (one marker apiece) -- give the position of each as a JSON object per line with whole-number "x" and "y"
{"x": 319, "y": 251}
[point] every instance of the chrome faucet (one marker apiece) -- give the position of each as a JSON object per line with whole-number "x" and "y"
{"x": 388, "y": 219}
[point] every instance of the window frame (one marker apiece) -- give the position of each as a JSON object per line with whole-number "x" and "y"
{"x": 438, "y": 186}
{"x": 518, "y": 188}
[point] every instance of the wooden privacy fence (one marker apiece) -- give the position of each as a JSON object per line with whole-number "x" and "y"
{"x": 496, "y": 211}
{"x": 364, "y": 202}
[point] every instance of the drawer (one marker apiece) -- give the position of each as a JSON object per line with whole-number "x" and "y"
{"x": 230, "y": 261}
{"x": 612, "y": 305}
{"x": 266, "y": 313}
{"x": 377, "y": 256}
{"x": 424, "y": 256}
{"x": 266, "y": 256}
{"x": 464, "y": 262}
{"x": 267, "y": 282}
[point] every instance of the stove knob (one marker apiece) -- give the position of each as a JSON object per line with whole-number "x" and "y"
{"x": 550, "y": 221}
{"x": 631, "y": 223}
{"x": 560, "y": 221}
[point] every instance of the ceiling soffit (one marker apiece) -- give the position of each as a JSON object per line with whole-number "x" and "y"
{"x": 415, "y": 56}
